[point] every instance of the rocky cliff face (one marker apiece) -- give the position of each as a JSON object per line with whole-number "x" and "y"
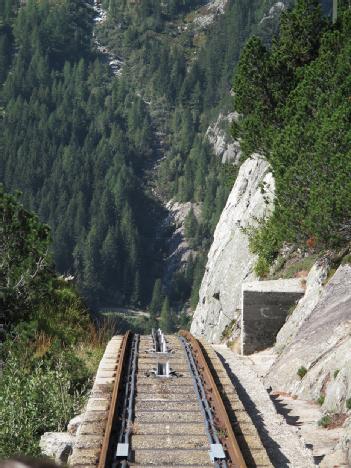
{"x": 318, "y": 338}
{"x": 178, "y": 248}
{"x": 209, "y": 12}
{"x": 314, "y": 289}
{"x": 224, "y": 146}
{"x": 229, "y": 260}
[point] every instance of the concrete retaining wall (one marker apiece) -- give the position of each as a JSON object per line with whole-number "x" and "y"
{"x": 265, "y": 307}
{"x": 90, "y": 434}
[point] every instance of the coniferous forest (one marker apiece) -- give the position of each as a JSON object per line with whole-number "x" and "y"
{"x": 89, "y": 159}
{"x": 98, "y": 156}
{"x": 75, "y": 142}
{"x": 300, "y": 121}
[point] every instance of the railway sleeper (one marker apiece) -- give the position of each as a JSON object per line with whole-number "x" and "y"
{"x": 163, "y": 423}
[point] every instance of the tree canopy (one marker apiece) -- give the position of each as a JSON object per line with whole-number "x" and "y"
{"x": 294, "y": 100}
{"x": 74, "y": 141}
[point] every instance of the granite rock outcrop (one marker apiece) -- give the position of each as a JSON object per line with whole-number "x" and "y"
{"x": 321, "y": 343}
{"x": 224, "y": 146}
{"x": 230, "y": 262}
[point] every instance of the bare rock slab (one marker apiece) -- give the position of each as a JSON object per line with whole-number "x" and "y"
{"x": 322, "y": 346}
{"x": 57, "y": 445}
{"x": 230, "y": 262}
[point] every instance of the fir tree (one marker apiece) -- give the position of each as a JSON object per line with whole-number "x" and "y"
{"x": 166, "y": 318}
{"x": 157, "y": 298}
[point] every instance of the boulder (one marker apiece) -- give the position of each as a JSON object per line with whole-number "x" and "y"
{"x": 230, "y": 262}
{"x": 57, "y": 445}
{"x": 74, "y": 424}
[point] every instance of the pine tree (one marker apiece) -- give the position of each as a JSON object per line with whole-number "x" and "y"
{"x": 157, "y": 299}
{"x": 153, "y": 323}
{"x": 198, "y": 275}
{"x": 190, "y": 225}
{"x": 26, "y": 267}
{"x": 166, "y": 318}
{"x": 303, "y": 130}
{"x": 300, "y": 34}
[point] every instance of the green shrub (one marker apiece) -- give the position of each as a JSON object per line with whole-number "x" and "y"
{"x": 325, "y": 421}
{"x": 33, "y": 401}
{"x": 228, "y": 330}
{"x": 263, "y": 242}
{"x": 302, "y": 372}
{"x": 262, "y": 267}
{"x": 321, "y": 399}
{"x": 348, "y": 403}
{"x": 48, "y": 370}
{"x": 346, "y": 260}
{"x": 336, "y": 372}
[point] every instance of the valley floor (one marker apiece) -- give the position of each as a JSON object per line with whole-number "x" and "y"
{"x": 288, "y": 427}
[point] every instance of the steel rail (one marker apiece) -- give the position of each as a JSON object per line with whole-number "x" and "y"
{"x": 154, "y": 338}
{"x": 127, "y": 412}
{"x": 159, "y": 341}
{"x": 215, "y": 401}
{"x": 211, "y": 430}
{"x": 115, "y": 393}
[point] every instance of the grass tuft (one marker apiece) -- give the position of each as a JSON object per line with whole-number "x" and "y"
{"x": 325, "y": 421}
{"x": 302, "y": 371}
{"x": 321, "y": 400}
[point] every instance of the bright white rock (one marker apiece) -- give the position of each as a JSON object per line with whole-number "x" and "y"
{"x": 230, "y": 262}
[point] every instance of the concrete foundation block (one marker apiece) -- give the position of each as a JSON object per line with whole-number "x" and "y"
{"x": 265, "y": 307}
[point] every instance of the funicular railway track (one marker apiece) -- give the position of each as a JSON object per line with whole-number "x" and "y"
{"x": 172, "y": 405}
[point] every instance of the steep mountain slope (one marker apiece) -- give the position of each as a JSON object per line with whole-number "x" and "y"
{"x": 75, "y": 141}
{"x": 293, "y": 105}
{"x": 229, "y": 260}
{"x": 80, "y": 143}
{"x": 48, "y": 343}
{"x": 185, "y": 76}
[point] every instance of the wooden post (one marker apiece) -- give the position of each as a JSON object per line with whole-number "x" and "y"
{"x": 335, "y": 10}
